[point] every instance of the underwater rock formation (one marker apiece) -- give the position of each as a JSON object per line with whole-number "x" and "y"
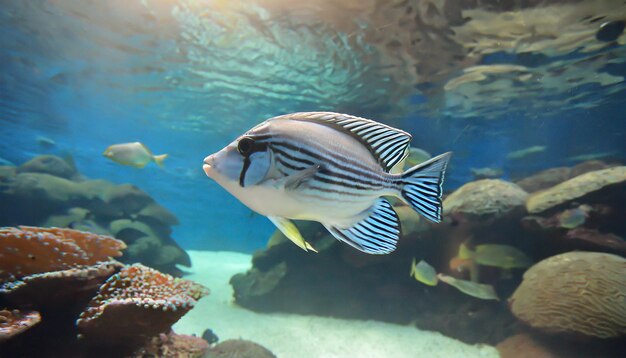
{"x": 486, "y": 197}
{"x": 576, "y": 293}
{"x": 239, "y": 348}
{"x": 576, "y": 188}
{"x": 87, "y": 302}
{"x": 172, "y": 345}
{"x": 48, "y": 191}
{"x": 483, "y": 213}
{"x": 49, "y": 164}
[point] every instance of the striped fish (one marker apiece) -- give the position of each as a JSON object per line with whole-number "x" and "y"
{"x": 332, "y": 168}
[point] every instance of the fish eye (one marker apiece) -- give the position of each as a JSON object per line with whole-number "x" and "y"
{"x": 245, "y": 145}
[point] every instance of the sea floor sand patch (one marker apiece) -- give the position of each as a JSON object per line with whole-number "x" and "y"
{"x": 290, "y": 335}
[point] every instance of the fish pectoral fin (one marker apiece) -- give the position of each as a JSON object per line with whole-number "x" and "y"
{"x": 377, "y": 233}
{"x": 294, "y": 180}
{"x": 289, "y": 229}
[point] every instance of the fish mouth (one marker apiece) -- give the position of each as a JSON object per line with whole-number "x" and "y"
{"x": 207, "y": 165}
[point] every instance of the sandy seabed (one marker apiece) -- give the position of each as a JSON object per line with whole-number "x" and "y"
{"x": 291, "y": 335}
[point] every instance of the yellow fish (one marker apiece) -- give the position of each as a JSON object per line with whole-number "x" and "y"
{"x": 424, "y": 273}
{"x": 478, "y": 290}
{"x": 134, "y": 154}
{"x": 502, "y": 256}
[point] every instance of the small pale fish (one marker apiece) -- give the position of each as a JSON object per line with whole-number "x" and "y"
{"x": 45, "y": 142}
{"x": 331, "y": 168}
{"x": 573, "y": 218}
{"x": 134, "y": 154}
{"x": 478, "y": 290}
{"x": 502, "y": 256}
{"x": 486, "y": 173}
{"x": 424, "y": 273}
{"x": 523, "y": 153}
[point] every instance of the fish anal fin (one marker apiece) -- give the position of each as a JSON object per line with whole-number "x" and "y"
{"x": 289, "y": 229}
{"x": 377, "y": 233}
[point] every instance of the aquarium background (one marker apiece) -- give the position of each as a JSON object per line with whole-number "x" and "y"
{"x": 114, "y": 260}
{"x": 187, "y": 77}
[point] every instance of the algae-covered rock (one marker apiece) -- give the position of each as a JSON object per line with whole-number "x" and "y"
{"x": 257, "y": 283}
{"x": 487, "y": 197}
{"x": 575, "y": 188}
{"x": 127, "y": 198}
{"x": 545, "y": 179}
{"x": 48, "y": 164}
{"x": 155, "y": 212}
{"x": 46, "y": 188}
{"x": 73, "y": 215}
{"x": 7, "y": 177}
{"x": 239, "y": 348}
{"x": 577, "y": 293}
{"x": 128, "y": 230}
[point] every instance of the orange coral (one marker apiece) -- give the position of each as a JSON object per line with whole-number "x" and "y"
{"x": 59, "y": 288}
{"x": 138, "y": 302}
{"x": 14, "y": 322}
{"x": 30, "y": 250}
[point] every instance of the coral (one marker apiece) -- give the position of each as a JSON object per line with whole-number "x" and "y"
{"x": 58, "y": 288}
{"x": 239, "y": 348}
{"x": 14, "y": 322}
{"x": 48, "y": 164}
{"x": 524, "y": 346}
{"x": 545, "y": 179}
{"x": 485, "y": 197}
{"x": 576, "y": 293}
{"x": 575, "y": 188}
{"x": 7, "y": 177}
{"x": 136, "y": 303}
{"x": 31, "y": 250}
{"x": 172, "y": 345}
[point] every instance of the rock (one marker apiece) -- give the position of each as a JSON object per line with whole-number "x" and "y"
{"x": 156, "y": 212}
{"x": 487, "y": 197}
{"x": 256, "y": 283}
{"x": 579, "y": 293}
{"x": 588, "y": 166}
{"x": 48, "y": 164}
{"x": 127, "y": 198}
{"x": 7, "y": 177}
{"x": 46, "y": 189}
{"x": 545, "y": 179}
{"x": 575, "y": 188}
{"x": 239, "y": 348}
{"x": 129, "y": 231}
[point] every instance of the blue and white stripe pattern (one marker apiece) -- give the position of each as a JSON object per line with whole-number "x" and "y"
{"x": 376, "y": 234}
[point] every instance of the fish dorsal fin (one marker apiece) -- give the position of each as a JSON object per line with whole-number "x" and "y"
{"x": 290, "y": 230}
{"x": 377, "y": 233}
{"x": 387, "y": 144}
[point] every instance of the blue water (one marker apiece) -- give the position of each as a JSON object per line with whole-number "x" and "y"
{"x": 186, "y": 80}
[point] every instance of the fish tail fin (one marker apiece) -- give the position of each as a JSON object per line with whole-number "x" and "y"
{"x": 421, "y": 186}
{"x": 159, "y": 159}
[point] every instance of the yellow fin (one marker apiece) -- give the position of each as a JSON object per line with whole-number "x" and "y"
{"x": 425, "y": 273}
{"x": 465, "y": 253}
{"x": 159, "y": 159}
{"x": 290, "y": 230}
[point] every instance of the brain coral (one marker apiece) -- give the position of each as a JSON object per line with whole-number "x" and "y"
{"x": 485, "y": 197}
{"x": 576, "y": 292}
{"x": 575, "y": 188}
